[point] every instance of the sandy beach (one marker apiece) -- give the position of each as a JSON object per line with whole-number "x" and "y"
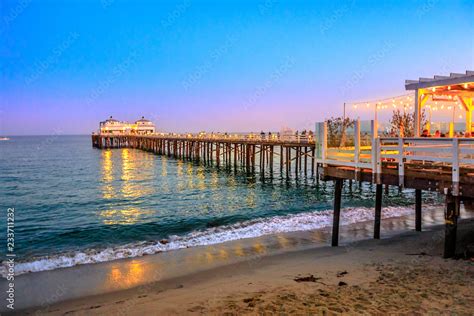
{"x": 401, "y": 274}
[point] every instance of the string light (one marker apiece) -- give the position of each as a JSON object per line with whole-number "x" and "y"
{"x": 382, "y": 103}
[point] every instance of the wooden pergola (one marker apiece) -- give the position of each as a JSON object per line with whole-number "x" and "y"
{"x": 456, "y": 87}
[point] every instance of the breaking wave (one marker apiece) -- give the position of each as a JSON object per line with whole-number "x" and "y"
{"x": 215, "y": 235}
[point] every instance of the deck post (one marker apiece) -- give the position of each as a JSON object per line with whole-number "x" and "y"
{"x": 357, "y": 148}
{"x": 417, "y": 113}
{"x": 401, "y": 163}
{"x": 418, "y": 210}
{"x": 378, "y": 210}
{"x": 373, "y": 155}
{"x": 455, "y": 166}
{"x": 337, "y": 212}
{"x": 451, "y": 224}
{"x": 324, "y": 143}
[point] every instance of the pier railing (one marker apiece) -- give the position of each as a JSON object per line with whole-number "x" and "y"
{"x": 252, "y": 137}
{"x": 446, "y": 156}
{"x": 449, "y": 154}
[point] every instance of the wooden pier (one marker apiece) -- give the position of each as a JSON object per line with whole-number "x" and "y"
{"x": 444, "y": 165}
{"x": 291, "y": 156}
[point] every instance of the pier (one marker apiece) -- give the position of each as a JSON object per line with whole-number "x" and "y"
{"x": 440, "y": 164}
{"x": 444, "y": 165}
{"x": 291, "y": 156}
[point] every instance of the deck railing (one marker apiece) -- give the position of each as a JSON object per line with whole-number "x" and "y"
{"x": 300, "y": 138}
{"x": 449, "y": 153}
{"x": 452, "y": 154}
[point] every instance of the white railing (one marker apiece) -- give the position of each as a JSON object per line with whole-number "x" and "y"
{"x": 274, "y": 137}
{"x": 358, "y": 156}
{"x": 452, "y": 153}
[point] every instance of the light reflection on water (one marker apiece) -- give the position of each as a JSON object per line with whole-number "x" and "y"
{"x": 133, "y": 173}
{"x": 129, "y": 273}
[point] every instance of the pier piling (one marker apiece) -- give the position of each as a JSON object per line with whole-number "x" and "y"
{"x": 337, "y": 211}
{"x": 418, "y": 210}
{"x": 378, "y": 210}
{"x": 451, "y": 225}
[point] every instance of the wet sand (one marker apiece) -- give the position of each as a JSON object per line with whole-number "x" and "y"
{"x": 288, "y": 273}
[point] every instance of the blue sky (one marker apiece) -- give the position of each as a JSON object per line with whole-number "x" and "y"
{"x": 216, "y": 65}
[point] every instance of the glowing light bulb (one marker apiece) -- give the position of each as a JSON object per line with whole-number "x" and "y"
{"x": 449, "y": 87}
{"x": 465, "y": 86}
{"x": 433, "y": 89}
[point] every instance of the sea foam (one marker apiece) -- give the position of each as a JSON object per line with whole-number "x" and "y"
{"x": 247, "y": 229}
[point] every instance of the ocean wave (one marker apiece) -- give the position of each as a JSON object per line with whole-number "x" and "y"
{"x": 215, "y": 235}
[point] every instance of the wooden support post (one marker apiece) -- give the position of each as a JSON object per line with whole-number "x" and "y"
{"x": 451, "y": 225}
{"x": 418, "y": 210}
{"x": 300, "y": 163}
{"x": 288, "y": 162}
{"x": 378, "y": 210}
{"x": 235, "y": 157}
{"x": 305, "y": 160}
{"x": 337, "y": 212}
{"x": 281, "y": 159}
{"x": 297, "y": 160}
{"x": 253, "y": 157}
{"x": 247, "y": 157}
{"x": 271, "y": 160}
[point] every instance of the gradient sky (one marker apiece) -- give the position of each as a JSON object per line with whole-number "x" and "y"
{"x": 216, "y": 65}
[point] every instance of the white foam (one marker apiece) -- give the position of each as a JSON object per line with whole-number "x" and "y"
{"x": 248, "y": 229}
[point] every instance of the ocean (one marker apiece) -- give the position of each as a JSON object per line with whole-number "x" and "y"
{"x": 74, "y": 204}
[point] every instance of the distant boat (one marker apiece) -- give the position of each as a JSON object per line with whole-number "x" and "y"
{"x": 4, "y": 138}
